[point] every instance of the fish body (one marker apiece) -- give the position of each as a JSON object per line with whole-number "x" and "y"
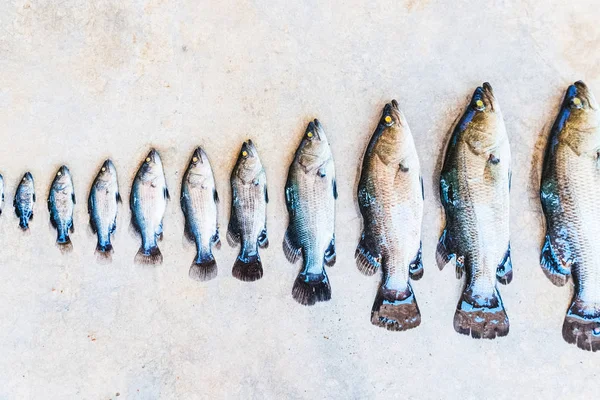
{"x": 310, "y": 193}
{"x": 390, "y": 198}
{"x": 199, "y": 199}
{"x": 103, "y": 203}
{"x": 61, "y": 203}
{"x": 248, "y": 220}
{"x": 474, "y": 190}
{"x": 148, "y": 202}
{"x": 24, "y": 200}
{"x": 570, "y": 196}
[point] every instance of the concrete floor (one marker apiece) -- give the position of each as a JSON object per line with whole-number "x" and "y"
{"x": 84, "y": 80}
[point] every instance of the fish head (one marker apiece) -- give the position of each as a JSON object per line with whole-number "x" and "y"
{"x": 248, "y": 164}
{"x": 580, "y": 110}
{"x": 393, "y": 134}
{"x": 152, "y": 166}
{"x": 199, "y": 169}
{"x": 107, "y": 174}
{"x": 62, "y": 178}
{"x": 27, "y": 180}
{"x": 314, "y": 149}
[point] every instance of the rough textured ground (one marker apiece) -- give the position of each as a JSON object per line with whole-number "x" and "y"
{"x": 84, "y": 80}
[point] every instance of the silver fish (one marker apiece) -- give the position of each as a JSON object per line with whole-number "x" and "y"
{"x": 390, "y": 197}
{"x": 248, "y": 221}
{"x": 24, "y": 200}
{"x": 61, "y": 203}
{"x": 474, "y": 190}
{"x": 310, "y": 193}
{"x": 199, "y": 200}
{"x": 148, "y": 202}
{"x": 570, "y": 196}
{"x": 103, "y": 206}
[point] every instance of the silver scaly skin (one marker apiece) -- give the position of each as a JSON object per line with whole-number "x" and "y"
{"x": 570, "y": 196}
{"x": 103, "y": 205}
{"x": 390, "y": 197}
{"x": 310, "y": 194}
{"x": 248, "y": 220}
{"x": 24, "y": 200}
{"x": 474, "y": 190}
{"x": 148, "y": 202}
{"x": 199, "y": 201}
{"x": 61, "y": 202}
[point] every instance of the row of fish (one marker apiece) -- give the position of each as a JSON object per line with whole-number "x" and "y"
{"x": 474, "y": 190}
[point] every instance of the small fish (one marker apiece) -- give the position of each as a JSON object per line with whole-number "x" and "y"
{"x": 248, "y": 221}
{"x": 474, "y": 190}
{"x": 570, "y": 196}
{"x": 24, "y": 199}
{"x": 199, "y": 200}
{"x": 390, "y": 197}
{"x": 61, "y": 202}
{"x": 148, "y": 202}
{"x": 310, "y": 194}
{"x": 102, "y": 207}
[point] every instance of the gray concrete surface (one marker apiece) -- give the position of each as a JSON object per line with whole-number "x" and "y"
{"x": 84, "y": 80}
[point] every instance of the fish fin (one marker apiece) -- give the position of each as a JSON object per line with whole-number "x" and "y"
{"x": 311, "y": 288}
{"x": 34, "y": 197}
{"x": 266, "y": 194}
{"x": 582, "y": 325}
{"x": 23, "y": 222}
{"x": 71, "y": 226}
{"x": 119, "y": 200}
{"x": 73, "y": 198}
{"x": 166, "y": 193}
{"x": 330, "y": 255}
{"x": 422, "y": 187}
{"x": 152, "y": 256}
{"x": 233, "y": 229}
{"x": 335, "y": 192}
{"x": 481, "y": 316}
{"x": 290, "y": 246}
{"x": 49, "y": 203}
{"x": 104, "y": 253}
{"x": 504, "y": 272}
{"x": 248, "y": 270}
{"x": 444, "y": 251}
{"x": 263, "y": 239}
{"x": 216, "y": 240}
{"x": 367, "y": 254}
{"x": 395, "y": 311}
{"x": 416, "y": 266}
{"x": 204, "y": 267}
{"x": 216, "y": 196}
{"x": 552, "y": 265}
{"x": 63, "y": 241}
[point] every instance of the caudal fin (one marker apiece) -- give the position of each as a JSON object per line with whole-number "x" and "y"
{"x": 152, "y": 256}
{"x": 311, "y": 288}
{"x": 64, "y": 243}
{"x": 204, "y": 268}
{"x": 395, "y": 310}
{"x": 248, "y": 269}
{"x": 481, "y": 316}
{"x": 104, "y": 253}
{"x": 582, "y": 325}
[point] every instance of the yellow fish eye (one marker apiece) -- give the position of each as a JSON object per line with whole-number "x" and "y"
{"x": 195, "y": 159}
{"x": 147, "y": 159}
{"x": 309, "y": 134}
{"x": 479, "y": 103}
{"x": 576, "y": 101}
{"x": 388, "y": 119}
{"x": 59, "y": 173}
{"x": 103, "y": 169}
{"x": 245, "y": 153}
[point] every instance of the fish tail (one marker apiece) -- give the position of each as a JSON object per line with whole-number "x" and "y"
{"x": 247, "y": 268}
{"x": 24, "y": 223}
{"x": 104, "y": 252}
{"x": 582, "y": 324}
{"x": 152, "y": 256}
{"x": 63, "y": 241}
{"x": 204, "y": 267}
{"x": 396, "y": 310}
{"x": 481, "y": 316}
{"x": 310, "y": 288}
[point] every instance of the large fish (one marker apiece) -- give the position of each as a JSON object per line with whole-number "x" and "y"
{"x": 24, "y": 200}
{"x": 310, "y": 194}
{"x": 570, "y": 195}
{"x": 390, "y": 197}
{"x": 61, "y": 202}
{"x": 474, "y": 190}
{"x": 248, "y": 220}
{"x": 148, "y": 202}
{"x": 103, "y": 206}
{"x": 199, "y": 200}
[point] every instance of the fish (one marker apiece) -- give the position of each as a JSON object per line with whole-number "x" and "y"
{"x": 199, "y": 203}
{"x": 1, "y": 193}
{"x": 310, "y": 195}
{"x": 61, "y": 203}
{"x": 148, "y": 202}
{"x": 103, "y": 205}
{"x": 24, "y": 200}
{"x": 474, "y": 191}
{"x": 570, "y": 198}
{"x": 390, "y": 198}
{"x": 248, "y": 220}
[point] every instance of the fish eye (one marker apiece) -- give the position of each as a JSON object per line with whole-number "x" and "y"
{"x": 388, "y": 120}
{"x": 479, "y": 105}
{"x": 194, "y": 159}
{"x": 103, "y": 169}
{"x": 576, "y": 102}
{"x": 147, "y": 159}
{"x": 59, "y": 173}
{"x": 309, "y": 134}
{"x": 245, "y": 153}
